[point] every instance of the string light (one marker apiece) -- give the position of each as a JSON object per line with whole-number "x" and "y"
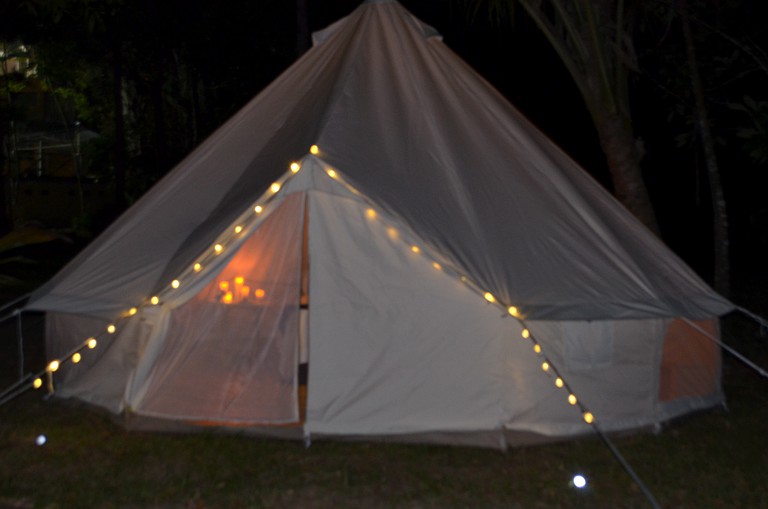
{"x": 537, "y": 348}
{"x": 76, "y": 357}
{"x": 295, "y": 167}
{"x": 489, "y": 297}
{"x": 370, "y": 214}
{"x": 53, "y": 366}
{"x": 258, "y": 209}
{"x": 559, "y": 382}
{"x": 416, "y": 249}
{"x": 37, "y": 383}
{"x": 331, "y": 173}
{"x": 197, "y": 267}
{"x": 526, "y": 334}
{"x": 512, "y": 310}
{"x": 572, "y": 399}
{"x": 588, "y": 417}
{"x": 92, "y": 343}
{"x": 275, "y": 187}
{"x": 393, "y": 233}
{"x": 545, "y": 366}
{"x": 132, "y": 311}
{"x": 218, "y": 248}
{"x": 155, "y": 300}
{"x": 314, "y": 150}
{"x": 111, "y": 328}
{"x": 175, "y": 283}
{"x": 437, "y": 266}
{"x": 238, "y": 229}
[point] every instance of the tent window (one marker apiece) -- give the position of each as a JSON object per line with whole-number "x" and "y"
{"x": 588, "y": 345}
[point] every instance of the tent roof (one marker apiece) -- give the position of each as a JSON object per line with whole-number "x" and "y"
{"x": 415, "y": 129}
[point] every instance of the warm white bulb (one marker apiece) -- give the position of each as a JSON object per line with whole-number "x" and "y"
{"x": 258, "y": 209}
{"x": 76, "y": 357}
{"x": 175, "y": 283}
{"x": 512, "y": 311}
{"x": 218, "y": 248}
{"x": 197, "y": 267}
{"x": 238, "y": 229}
{"x": 53, "y": 366}
{"x": 559, "y": 382}
{"x": 37, "y": 383}
{"x": 416, "y": 249}
{"x": 572, "y": 399}
{"x": 537, "y": 348}
{"x": 111, "y": 328}
{"x": 489, "y": 297}
{"x": 295, "y": 167}
{"x": 545, "y": 366}
{"x": 331, "y": 173}
{"x": 92, "y": 343}
{"x": 275, "y": 187}
{"x": 437, "y": 266}
{"x": 314, "y": 150}
{"x": 155, "y": 300}
{"x": 589, "y": 418}
{"x": 526, "y": 333}
{"x": 370, "y": 214}
{"x": 132, "y": 311}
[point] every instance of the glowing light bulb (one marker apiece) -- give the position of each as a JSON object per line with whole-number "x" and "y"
{"x": 132, "y": 311}
{"x": 545, "y": 366}
{"x": 370, "y": 214}
{"x": 37, "y": 383}
{"x": 559, "y": 382}
{"x": 259, "y": 293}
{"x": 258, "y": 209}
{"x": 489, "y": 297}
{"x": 76, "y": 357}
{"x": 393, "y": 233}
{"x": 331, "y": 173}
{"x": 314, "y": 150}
{"x": 589, "y": 418}
{"x": 228, "y": 297}
{"x": 513, "y": 311}
{"x": 218, "y": 248}
{"x": 416, "y": 249}
{"x": 155, "y": 300}
{"x": 537, "y": 348}
{"x": 572, "y": 399}
{"x": 92, "y": 343}
{"x": 224, "y": 286}
{"x": 175, "y": 283}
{"x": 275, "y": 187}
{"x": 111, "y": 328}
{"x": 197, "y": 267}
{"x": 239, "y": 280}
{"x": 295, "y": 167}
{"x": 526, "y": 333}
{"x": 579, "y": 481}
{"x": 437, "y": 266}
{"x": 53, "y": 366}
{"x": 238, "y": 229}
{"x": 41, "y": 440}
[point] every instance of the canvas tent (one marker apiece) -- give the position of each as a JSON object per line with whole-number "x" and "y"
{"x": 443, "y": 270}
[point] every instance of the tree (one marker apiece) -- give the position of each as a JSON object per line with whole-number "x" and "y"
{"x": 593, "y": 39}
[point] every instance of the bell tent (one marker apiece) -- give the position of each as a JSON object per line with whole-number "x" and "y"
{"x": 380, "y": 245}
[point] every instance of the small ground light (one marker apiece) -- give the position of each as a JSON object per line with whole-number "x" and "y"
{"x": 41, "y": 440}
{"x": 579, "y": 481}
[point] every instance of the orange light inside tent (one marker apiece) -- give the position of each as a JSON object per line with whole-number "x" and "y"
{"x": 245, "y": 291}
{"x": 224, "y": 286}
{"x": 239, "y": 280}
{"x": 259, "y": 293}
{"x": 228, "y": 298}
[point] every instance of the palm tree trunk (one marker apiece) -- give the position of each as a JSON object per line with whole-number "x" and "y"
{"x": 722, "y": 265}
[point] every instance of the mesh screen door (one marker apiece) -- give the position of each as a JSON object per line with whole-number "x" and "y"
{"x": 231, "y": 352}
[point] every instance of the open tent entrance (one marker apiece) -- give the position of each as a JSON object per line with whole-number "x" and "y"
{"x": 231, "y": 353}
